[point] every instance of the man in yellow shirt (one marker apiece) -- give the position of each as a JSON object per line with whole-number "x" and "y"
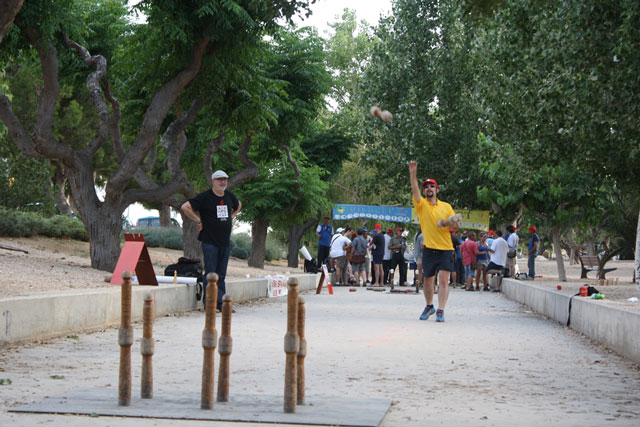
{"x": 435, "y": 218}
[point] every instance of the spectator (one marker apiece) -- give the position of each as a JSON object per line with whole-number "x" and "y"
{"x": 358, "y": 255}
{"x": 532, "y": 252}
{"x": 418, "y": 244}
{"x": 457, "y": 275}
{"x": 482, "y": 258}
{"x": 397, "y": 245}
{"x": 367, "y": 258}
{"x": 512, "y": 251}
{"x": 498, "y": 258}
{"x": 338, "y": 255}
{"x": 490, "y": 236}
{"x": 377, "y": 253}
{"x": 469, "y": 250}
{"x": 324, "y": 232}
{"x": 386, "y": 261}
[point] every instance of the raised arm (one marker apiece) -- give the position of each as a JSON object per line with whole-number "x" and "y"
{"x": 413, "y": 176}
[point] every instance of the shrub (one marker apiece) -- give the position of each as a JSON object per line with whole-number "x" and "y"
{"x": 239, "y": 252}
{"x": 20, "y": 224}
{"x": 273, "y": 250}
{"x": 241, "y": 240}
{"x": 62, "y": 226}
{"x": 155, "y": 237}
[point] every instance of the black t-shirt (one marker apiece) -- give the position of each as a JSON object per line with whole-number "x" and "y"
{"x": 378, "y": 240}
{"x": 215, "y": 214}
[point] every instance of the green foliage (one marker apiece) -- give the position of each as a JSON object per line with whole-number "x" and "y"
{"x": 242, "y": 241}
{"x": 274, "y": 249}
{"x": 158, "y": 237}
{"x": 241, "y": 253}
{"x": 26, "y": 224}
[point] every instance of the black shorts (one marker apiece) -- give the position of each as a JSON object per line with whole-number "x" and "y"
{"x": 434, "y": 260}
{"x": 494, "y": 266}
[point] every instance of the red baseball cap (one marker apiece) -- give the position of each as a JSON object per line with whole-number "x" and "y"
{"x": 532, "y": 228}
{"x": 491, "y": 232}
{"x": 429, "y": 181}
{"x": 377, "y": 226}
{"x": 399, "y": 229}
{"x": 389, "y": 230}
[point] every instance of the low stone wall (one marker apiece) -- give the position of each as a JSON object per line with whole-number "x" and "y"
{"x": 614, "y": 327}
{"x": 53, "y": 314}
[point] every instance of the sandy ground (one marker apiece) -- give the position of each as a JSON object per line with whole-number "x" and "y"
{"x": 59, "y": 264}
{"x": 492, "y": 363}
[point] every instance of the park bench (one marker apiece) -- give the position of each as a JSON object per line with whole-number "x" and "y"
{"x": 592, "y": 263}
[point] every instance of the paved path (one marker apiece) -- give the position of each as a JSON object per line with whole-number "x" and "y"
{"x": 492, "y": 363}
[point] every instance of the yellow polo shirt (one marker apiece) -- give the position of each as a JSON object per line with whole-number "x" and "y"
{"x": 434, "y": 237}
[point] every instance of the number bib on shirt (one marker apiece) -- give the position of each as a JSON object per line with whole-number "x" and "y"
{"x": 223, "y": 212}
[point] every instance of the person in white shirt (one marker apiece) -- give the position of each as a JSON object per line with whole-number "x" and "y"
{"x": 512, "y": 243}
{"x": 386, "y": 259}
{"x": 338, "y": 255}
{"x": 498, "y": 258}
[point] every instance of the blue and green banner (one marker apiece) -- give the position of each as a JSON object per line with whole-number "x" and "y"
{"x": 472, "y": 220}
{"x": 380, "y": 213}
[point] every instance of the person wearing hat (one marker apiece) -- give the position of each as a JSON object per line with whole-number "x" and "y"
{"x": 397, "y": 246}
{"x": 215, "y": 209}
{"x": 532, "y": 252}
{"x": 324, "y": 232}
{"x": 490, "y": 237}
{"x": 377, "y": 254}
{"x": 386, "y": 260}
{"x": 435, "y": 218}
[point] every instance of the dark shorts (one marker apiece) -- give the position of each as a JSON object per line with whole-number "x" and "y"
{"x": 494, "y": 266}
{"x": 377, "y": 259}
{"x": 434, "y": 260}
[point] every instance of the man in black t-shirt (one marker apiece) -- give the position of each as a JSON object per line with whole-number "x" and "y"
{"x": 216, "y": 209}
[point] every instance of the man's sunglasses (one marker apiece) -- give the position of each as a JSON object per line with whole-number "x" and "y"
{"x": 429, "y": 186}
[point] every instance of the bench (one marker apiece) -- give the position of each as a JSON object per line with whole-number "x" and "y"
{"x": 592, "y": 263}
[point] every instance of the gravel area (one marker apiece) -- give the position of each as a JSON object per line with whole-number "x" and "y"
{"x": 60, "y": 264}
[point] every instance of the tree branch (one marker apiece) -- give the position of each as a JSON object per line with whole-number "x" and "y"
{"x": 296, "y": 177}
{"x": 250, "y": 169}
{"x": 164, "y": 98}
{"x": 214, "y": 145}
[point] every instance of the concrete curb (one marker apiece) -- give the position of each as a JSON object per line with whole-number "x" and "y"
{"x": 614, "y": 327}
{"x": 53, "y": 314}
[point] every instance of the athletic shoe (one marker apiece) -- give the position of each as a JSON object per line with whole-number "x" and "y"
{"x": 428, "y": 311}
{"x": 439, "y": 316}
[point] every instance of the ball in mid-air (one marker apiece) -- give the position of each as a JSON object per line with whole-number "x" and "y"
{"x": 375, "y": 111}
{"x": 386, "y": 116}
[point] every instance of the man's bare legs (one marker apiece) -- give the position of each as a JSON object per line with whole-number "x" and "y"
{"x": 443, "y": 289}
{"x": 379, "y": 274}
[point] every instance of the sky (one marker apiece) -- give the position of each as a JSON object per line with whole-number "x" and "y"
{"x": 324, "y": 11}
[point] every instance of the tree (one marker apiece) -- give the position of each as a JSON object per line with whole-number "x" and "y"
{"x": 183, "y": 33}
{"x": 8, "y": 11}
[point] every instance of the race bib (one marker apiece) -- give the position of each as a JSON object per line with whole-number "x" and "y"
{"x": 223, "y": 212}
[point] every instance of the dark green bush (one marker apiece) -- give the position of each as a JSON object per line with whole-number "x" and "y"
{"x": 61, "y": 226}
{"x": 273, "y": 250}
{"x": 155, "y": 237}
{"x": 241, "y": 240}
{"x": 20, "y": 224}
{"x": 239, "y": 252}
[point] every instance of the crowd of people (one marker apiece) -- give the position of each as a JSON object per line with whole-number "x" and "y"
{"x": 441, "y": 253}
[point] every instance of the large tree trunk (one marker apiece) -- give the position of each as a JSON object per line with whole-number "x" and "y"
{"x": 636, "y": 270}
{"x": 165, "y": 215}
{"x": 59, "y": 186}
{"x": 295, "y": 235}
{"x": 562, "y": 276}
{"x": 591, "y": 246}
{"x": 191, "y": 246}
{"x": 259, "y": 229}
{"x": 104, "y": 228}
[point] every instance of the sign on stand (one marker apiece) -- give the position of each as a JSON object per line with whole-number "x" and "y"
{"x": 276, "y": 286}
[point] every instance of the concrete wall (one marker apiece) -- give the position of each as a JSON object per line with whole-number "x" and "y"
{"x": 614, "y": 327}
{"x": 51, "y": 314}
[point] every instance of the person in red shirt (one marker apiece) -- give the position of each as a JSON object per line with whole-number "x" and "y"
{"x": 469, "y": 250}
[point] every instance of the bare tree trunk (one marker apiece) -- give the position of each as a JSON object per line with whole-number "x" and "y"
{"x": 190, "y": 244}
{"x": 60, "y": 181}
{"x": 636, "y": 270}
{"x": 165, "y": 215}
{"x": 295, "y": 235}
{"x": 591, "y": 246}
{"x": 259, "y": 229}
{"x": 562, "y": 276}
